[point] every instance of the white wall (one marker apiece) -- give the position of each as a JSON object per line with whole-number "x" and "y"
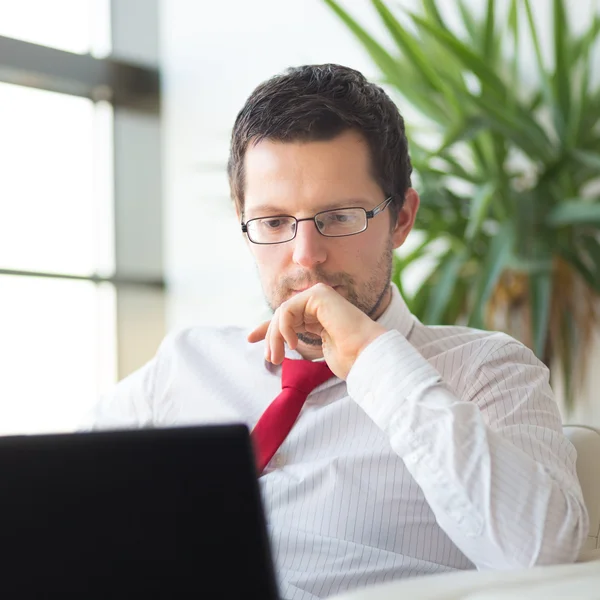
{"x": 214, "y": 53}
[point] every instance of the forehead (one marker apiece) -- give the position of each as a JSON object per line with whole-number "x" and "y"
{"x": 308, "y": 175}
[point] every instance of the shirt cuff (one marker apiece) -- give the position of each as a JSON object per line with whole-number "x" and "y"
{"x": 386, "y": 374}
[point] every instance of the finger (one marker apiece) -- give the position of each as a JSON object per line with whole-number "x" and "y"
{"x": 297, "y": 319}
{"x": 277, "y": 340}
{"x": 259, "y": 333}
{"x": 268, "y": 353}
{"x": 286, "y": 326}
{"x": 313, "y": 325}
{"x": 325, "y": 342}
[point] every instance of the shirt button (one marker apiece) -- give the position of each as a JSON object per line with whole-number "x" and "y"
{"x": 277, "y": 460}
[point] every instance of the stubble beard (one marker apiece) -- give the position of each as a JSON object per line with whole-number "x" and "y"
{"x": 368, "y": 300}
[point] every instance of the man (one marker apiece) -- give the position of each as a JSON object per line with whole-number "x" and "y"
{"x": 429, "y": 449}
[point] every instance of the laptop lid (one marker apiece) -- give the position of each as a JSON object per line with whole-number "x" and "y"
{"x": 132, "y": 514}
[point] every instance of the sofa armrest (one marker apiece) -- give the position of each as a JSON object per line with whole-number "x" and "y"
{"x": 589, "y": 555}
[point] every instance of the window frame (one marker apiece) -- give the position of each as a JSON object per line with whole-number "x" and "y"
{"x": 133, "y": 88}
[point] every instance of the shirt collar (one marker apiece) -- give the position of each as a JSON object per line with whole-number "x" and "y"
{"x": 396, "y": 316}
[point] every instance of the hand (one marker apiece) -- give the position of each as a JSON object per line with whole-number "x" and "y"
{"x": 345, "y": 330}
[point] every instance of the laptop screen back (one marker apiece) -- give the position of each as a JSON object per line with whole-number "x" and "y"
{"x": 166, "y": 513}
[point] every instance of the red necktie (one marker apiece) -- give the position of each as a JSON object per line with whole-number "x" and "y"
{"x": 298, "y": 379}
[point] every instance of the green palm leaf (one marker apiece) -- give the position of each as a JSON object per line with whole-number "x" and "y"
{"x": 562, "y": 66}
{"x": 442, "y": 290}
{"x": 493, "y": 264}
{"x": 469, "y": 58}
{"x": 488, "y": 50}
{"x": 541, "y": 297}
{"x": 575, "y": 212}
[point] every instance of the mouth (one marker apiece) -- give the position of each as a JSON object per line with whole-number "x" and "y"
{"x": 294, "y": 292}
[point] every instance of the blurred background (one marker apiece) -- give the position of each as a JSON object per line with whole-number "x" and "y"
{"x": 116, "y": 225}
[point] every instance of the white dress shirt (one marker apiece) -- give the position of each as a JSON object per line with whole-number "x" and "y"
{"x": 443, "y": 450}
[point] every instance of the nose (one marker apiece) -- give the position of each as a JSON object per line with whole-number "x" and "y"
{"x": 309, "y": 245}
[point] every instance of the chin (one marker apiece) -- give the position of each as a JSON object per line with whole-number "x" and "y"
{"x": 311, "y": 339}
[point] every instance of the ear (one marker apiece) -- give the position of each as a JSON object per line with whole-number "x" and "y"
{"x": 406, "y": 218}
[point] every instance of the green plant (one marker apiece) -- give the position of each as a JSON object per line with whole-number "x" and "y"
{"x": 508, "y": 169}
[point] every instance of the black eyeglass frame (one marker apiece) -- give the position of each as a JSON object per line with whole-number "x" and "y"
{"x": 369, "y": 215}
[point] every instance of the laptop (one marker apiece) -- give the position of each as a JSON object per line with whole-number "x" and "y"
{"x": 161, "y": 513}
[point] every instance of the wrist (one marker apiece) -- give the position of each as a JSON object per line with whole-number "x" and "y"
{"x": 374, "y": 332}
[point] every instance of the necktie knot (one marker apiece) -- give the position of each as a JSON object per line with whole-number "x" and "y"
{"x": 304, "y": 375}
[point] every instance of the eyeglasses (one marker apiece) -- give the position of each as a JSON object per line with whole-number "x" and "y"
{"x": 339, "y": 222}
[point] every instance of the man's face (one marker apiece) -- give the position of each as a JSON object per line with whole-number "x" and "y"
{"x": 301, "y": 179}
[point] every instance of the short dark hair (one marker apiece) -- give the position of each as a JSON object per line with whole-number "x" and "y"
{"x": 318, "y": 103}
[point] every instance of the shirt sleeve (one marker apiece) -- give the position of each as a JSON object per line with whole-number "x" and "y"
{"x": 127, "y": 406}
{"x": 130, "y": 404}
{"x": 494, "y": 465}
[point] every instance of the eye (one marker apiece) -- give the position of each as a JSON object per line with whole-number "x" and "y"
{"x": 272, "y": 223}
{"x": 338, "y": 218}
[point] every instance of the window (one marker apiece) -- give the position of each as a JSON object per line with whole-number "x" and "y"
{"x": 81, "y": 287}
{"x": 57, "y": 352}
{"x": 55, "y": 213}
{"x": 79, "y": 26}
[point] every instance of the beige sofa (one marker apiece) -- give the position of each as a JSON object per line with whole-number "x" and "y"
{"x": 581, "y": 580}
{"x": 587, "y": 442}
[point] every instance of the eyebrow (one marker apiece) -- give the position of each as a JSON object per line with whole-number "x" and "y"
{"x": 272, "y": 209}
